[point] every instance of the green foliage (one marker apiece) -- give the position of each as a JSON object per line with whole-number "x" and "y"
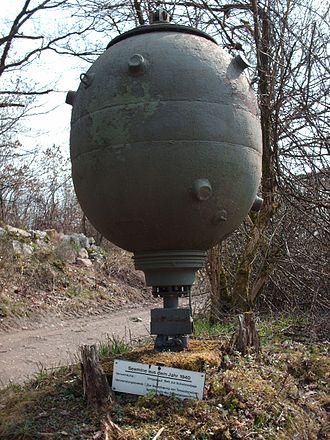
{"x": 260, "y": 420}
{"x": 231, "y": 404}
{"x": 112, "y": 346}
{"x": 3, "y": 310}
{"x": 6, "y": 255}
{"x": 275, "y": 329}
{"x": 203, "y": 328}
{"x": 12, "y": 306}
{"x": 58, "y": 264}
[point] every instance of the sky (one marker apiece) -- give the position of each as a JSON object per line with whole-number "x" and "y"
{"x": 49, "y": 122}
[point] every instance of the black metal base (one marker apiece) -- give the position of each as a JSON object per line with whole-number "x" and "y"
{"x": 171, "y": 343}
{"x": 171, "y": 324}
{"x": 163, "y": 291}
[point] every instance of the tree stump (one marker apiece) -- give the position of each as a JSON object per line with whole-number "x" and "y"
{"x": 95, "y": 384}
{"x": 247, "y": 336}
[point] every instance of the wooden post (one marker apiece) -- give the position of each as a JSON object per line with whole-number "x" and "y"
{"x": 95, "y": 384}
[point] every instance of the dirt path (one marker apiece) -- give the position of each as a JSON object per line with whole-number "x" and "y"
{"x": 24, "y": 352}
{"x": 56, "y": 341}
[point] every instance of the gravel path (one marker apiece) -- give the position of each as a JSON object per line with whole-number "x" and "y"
{"x": 24, "y": 352}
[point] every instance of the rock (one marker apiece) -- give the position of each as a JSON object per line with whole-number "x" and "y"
{"x": 18, "y": 232}
{"x": 52, "y": 234}
{"x": 83, "y": 253}
{"x": 22, "y": 248}
{"x": 135, "y": 319}
{"x": 86, "y": 262}
{"x": 65, "y": 252}
{"x": 80, "y": 240}
{"x": 27, "y": 249}
{"x": 43, "y": 245}
{"x": 3, "y": 232}
{"x": 17, "y": 247}
{"x": 39, "y": 235}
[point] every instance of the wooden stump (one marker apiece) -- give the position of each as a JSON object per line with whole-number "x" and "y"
{"x": 95, "y": 384}
{"x": 247, "y": 336}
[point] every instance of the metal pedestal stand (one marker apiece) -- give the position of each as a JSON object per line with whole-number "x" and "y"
{"x": 171, "y": 324}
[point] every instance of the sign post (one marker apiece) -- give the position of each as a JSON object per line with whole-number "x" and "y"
{"x": 141, "y": 379}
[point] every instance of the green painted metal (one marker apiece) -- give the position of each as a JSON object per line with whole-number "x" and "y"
{"x": 165, "y": 148}
{"x": 169, "y": 268}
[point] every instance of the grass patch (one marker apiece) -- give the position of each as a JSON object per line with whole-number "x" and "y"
{"x": 113, "y": 345}
{"x": 9, "y": 305}
{"x": 203, "y": 328}
{"x": 80, "y": 292}
{"x": 51, "y": 405}
{"x": 281, "y": 328}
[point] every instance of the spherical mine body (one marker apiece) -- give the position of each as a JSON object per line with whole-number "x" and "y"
{"x": 165, "y": 143}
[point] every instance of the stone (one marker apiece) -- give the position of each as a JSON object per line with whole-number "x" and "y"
{"x": 83, "y": 240}
{"x": 17, "y": 247}
{"x": 86, "y": 262}
{"x": 18, "y": 232}
{"x": 27, "y": 249}
{"x": 39, "y": 235}
{"x": 43, "y": 245}
{"x": 65, "y": 252}
{"x": 83, "y": 253}
{"x": 2, "y": 232}
{"x": 80, "y": 240}
{"x": 22, "y": 248}
{"x": 91, "y": 240}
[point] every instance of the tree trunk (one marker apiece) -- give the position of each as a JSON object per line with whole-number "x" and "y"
{"x": 247, "y": 337}
{"x": 95, "y": 384}
{"x": 83, "y": 225}
{"x": 221, "y": 300}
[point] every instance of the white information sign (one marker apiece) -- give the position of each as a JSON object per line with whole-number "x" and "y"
{"x": 141, "y": 379}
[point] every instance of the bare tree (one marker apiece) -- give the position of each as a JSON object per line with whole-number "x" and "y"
{"x": 287, "y": 45}
{"x": 30, "y": 33}
{"x": 26, "y": 35}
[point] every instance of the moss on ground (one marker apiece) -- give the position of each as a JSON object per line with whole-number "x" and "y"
{"x": 281, "y": 395}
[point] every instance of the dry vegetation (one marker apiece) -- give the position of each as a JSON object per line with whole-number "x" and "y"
{"x": 284, "y": 394}
{"x": 47, "y": 281}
